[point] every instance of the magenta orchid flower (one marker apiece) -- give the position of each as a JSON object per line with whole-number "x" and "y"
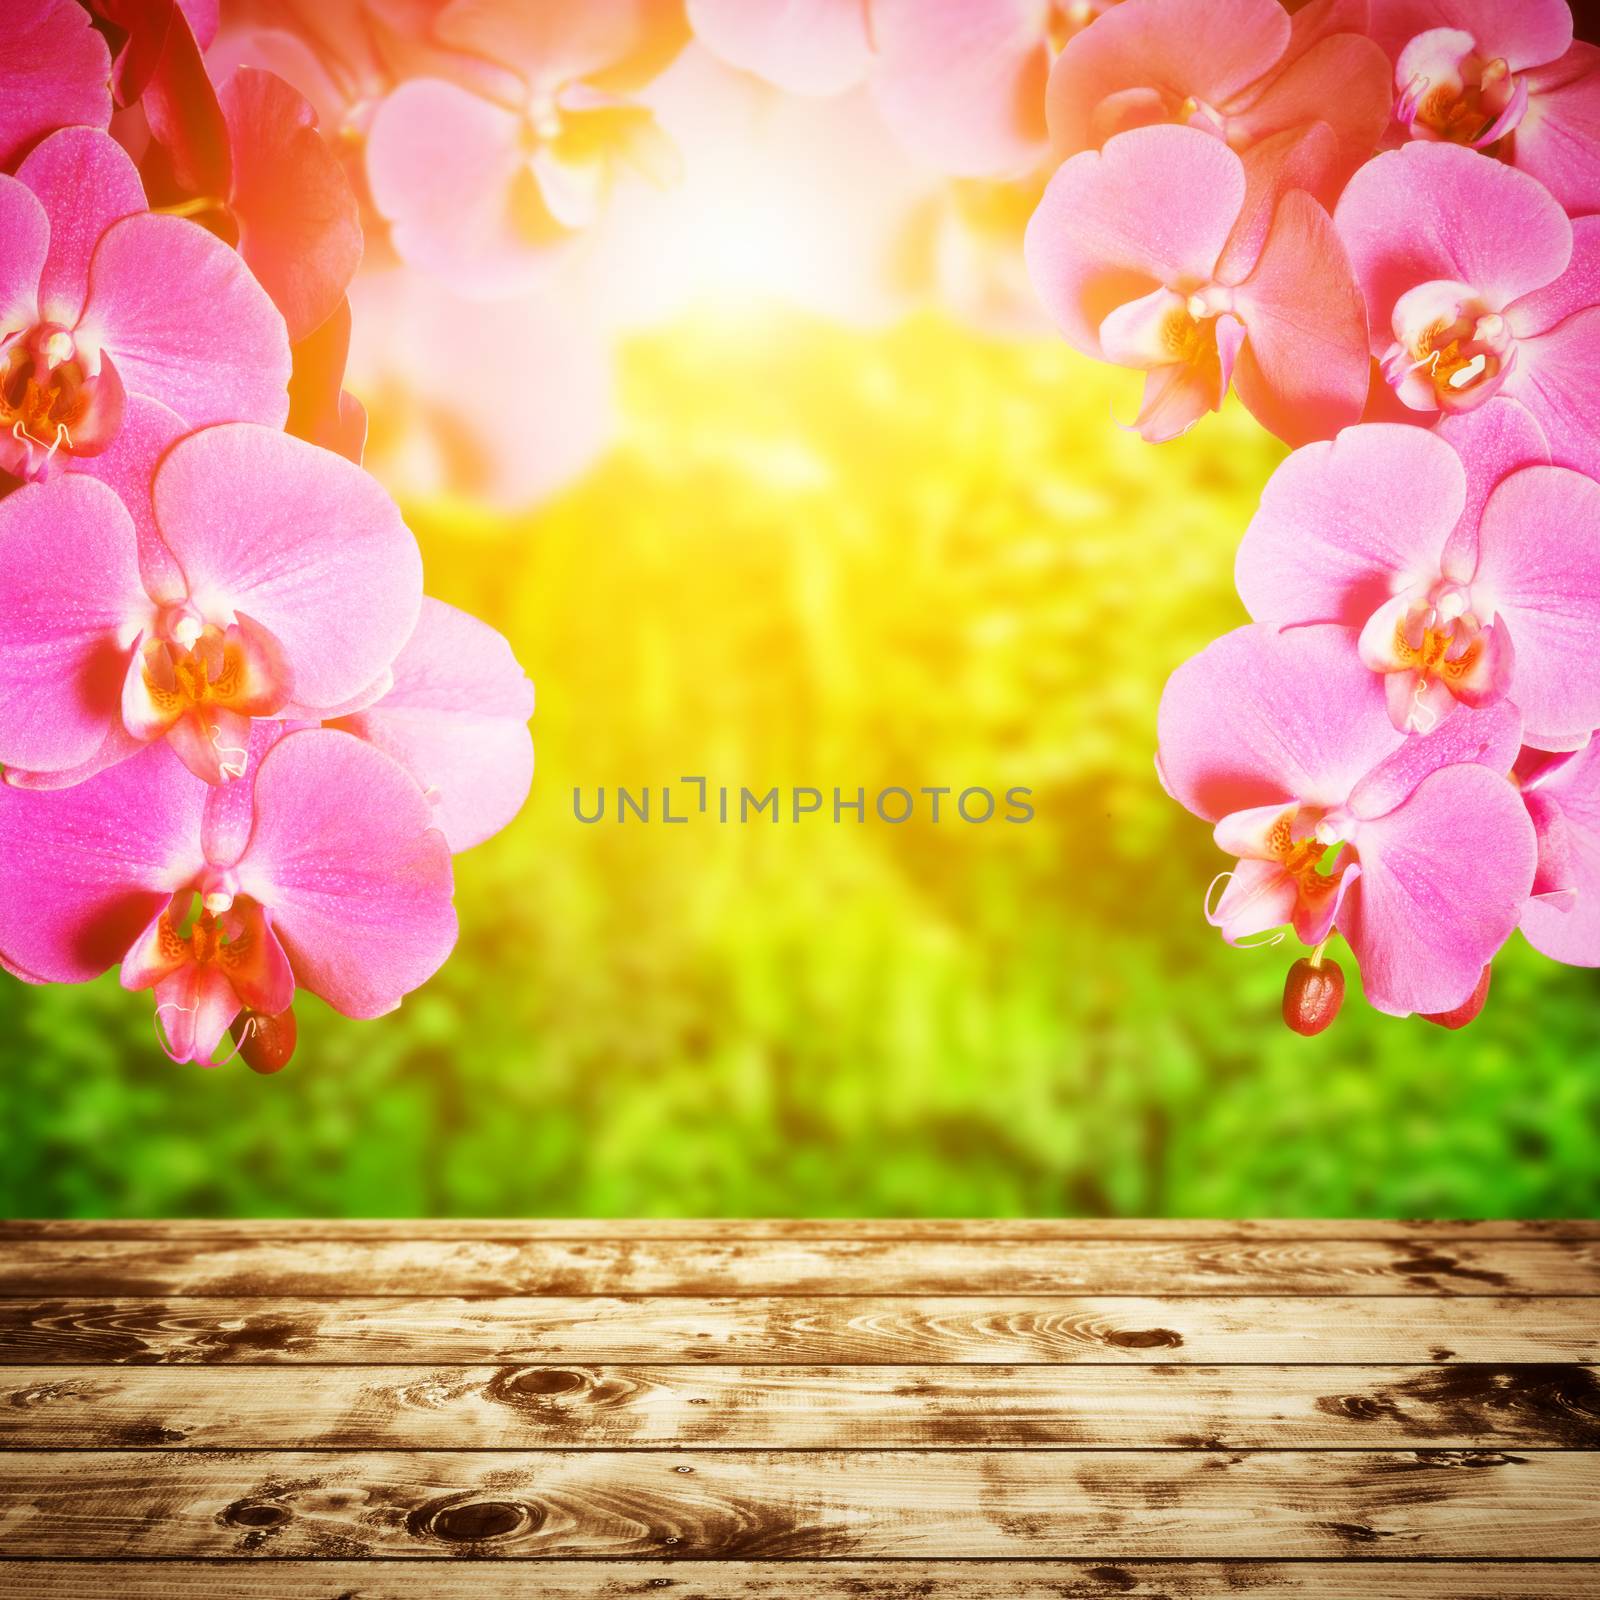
{"x": 323, "y": 870}
{"x": 1470, "y": 566}
{"x": 1418, "y": 850}
{"x": 279, "y": 581}
{"x": 1477, "y": 284}
{"x": 1562, "y": 794}
{"x": 119, "y": 328}
{"x": 1167, "y": 253}
{"x": 55, "y": 69}
{"x": 1239, "y": 69}
{"x": 1503, "y": 78}
{"x": 478, "y": 183}
{"x": 456, "y": 719}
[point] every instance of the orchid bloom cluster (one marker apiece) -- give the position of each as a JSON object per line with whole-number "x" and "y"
{"x": 1375, "y": 222}
{"x": 1378, "y": 223}
{"x": 240, "y": 744}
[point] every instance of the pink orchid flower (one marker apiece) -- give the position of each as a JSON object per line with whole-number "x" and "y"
{"x": 1477, "y": 284}
{"x": 119, "y": 329}
{"x": 1239, "y": 69}
{"x": 477, "y": 184}
{"x": 55, "y": 69}
{"x": 456, "y": 719}
{"x": 279, "y": 582}
{"x": 1469, "y": 564}
{"x": 1504, "y": 78}
{"x": 960, "y": 82}
{"x": 323, "y": 870}
{"x": 1167, "y": 253}
{"x": 1419, "y": 851}
{"x": 1562, "y": 794}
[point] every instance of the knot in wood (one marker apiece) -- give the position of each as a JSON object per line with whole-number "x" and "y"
{"x": 256, "y": 1514}
{"x": 473, "y": 1521}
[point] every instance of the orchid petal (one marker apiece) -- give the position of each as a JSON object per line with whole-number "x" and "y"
{"x": 1430, "y": 212}
{"x": 1261, "y": 716}
{"x": 1524, "y": 33}
{"x": 1260, "y": 895}
{"x": 1555, "y": 380}
{"x": 1485, "y": 738}
{"x": 1559, "y": 133}
{"x": 69, "y": 592}
{"x": 85, "y": 182}
{"x": 449, "y": 171}
{"x": 26, "y": 230}
{"x": 1576, "y": 289}
{"x": 1492, "y": 441}
{"x": 1344, "y": 525}
{"x": 193, "y": 1009}
{"x": 1539, "y": 569}
{"x": 307, "y": 545}
{"x": 128, "y": 465}
{"x": 55, "y": 68}
{"x": 1206, "y": 50}
{"x": 186, "y": 323}
{"x": 817, "y": 47}
{"x": 617, "y": 43}
{"x": 1569, "y": 930}
{"x": 1303, "y": 372}
{"x": 83, "y": 871}
{"x": 962, "y": 82}
{"x": 1427, "y": 916}
{"x": 1342, "y": 80}
{"x": 1154, "y": 208}
{"x": 457, "y": 721}
{"x": 299, "y": 223}
{"x": 1251, "y": 834}
{"x": 346, "y": 861}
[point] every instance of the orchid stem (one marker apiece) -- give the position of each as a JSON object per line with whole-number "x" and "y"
{"x": 1316, "y": 955}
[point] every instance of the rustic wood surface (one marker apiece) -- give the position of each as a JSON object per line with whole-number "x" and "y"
{"x": 771, "y": 1330}
{"x": 733, "y": 1410}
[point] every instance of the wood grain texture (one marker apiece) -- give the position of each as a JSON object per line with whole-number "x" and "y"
{"x": 1036, "y": 1229}
{"x": 97, "y": 1267}
{"x": 805, "y": 1330}
{"x": 777, "y": 1505}
{"x": 801, "y": 1580}
{"x": 801, "y": 1408}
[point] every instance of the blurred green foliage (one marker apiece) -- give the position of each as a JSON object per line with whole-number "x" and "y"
{"x": 834, "y": 558}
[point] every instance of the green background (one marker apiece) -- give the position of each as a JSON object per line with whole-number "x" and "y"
{"x": 826, "y": 557}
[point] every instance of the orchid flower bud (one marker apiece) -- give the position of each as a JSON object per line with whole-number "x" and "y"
{"x": 1312, "y": 994}
{"x": 266, "y": 1043}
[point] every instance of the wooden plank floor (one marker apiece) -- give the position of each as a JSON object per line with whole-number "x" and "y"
{"x": 946, "y": 1411}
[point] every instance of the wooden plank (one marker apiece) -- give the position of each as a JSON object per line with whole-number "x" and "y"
{"x": 775, "y": 1505}
{"x": 1021, "y": 1329}
{"x": 800, "y": 1408}
{"x": 803, "y": 1580}
{"x": 514, "y": 1229}
{"x": 95, "y": 1267}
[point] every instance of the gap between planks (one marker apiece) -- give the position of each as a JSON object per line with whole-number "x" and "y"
{"x": 757, "y": 1506}
{"x": 78, "y": 1267}
{"x": 801, "y": 1408}
{"x": 511, "y": 1579}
